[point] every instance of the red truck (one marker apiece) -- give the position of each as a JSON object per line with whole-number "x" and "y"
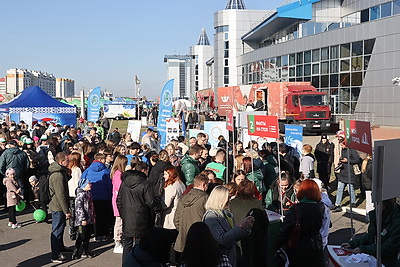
{"x": 293, "y": 103}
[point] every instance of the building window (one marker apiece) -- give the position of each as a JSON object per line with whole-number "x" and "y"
{"x": 357, "y": 48}
{"x": 325, "y": 53}
{"x": 226, "y": 53}
{"x": 344, "y": 50}
{"x": 364, "y": 15}
{"x": 368, "y": 46}
{"x": 226, "y": 71}
{"x": 386, "y": 10}
{"x": 396, "y": 7}
{"x": 226, "y": 44}
{"x": 226, "y": 62}
{"x": 315, "y": 55}
{"x": 375, "y": 12}
{"x": 307, "y": 56}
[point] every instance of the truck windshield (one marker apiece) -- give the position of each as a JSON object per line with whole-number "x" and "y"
{"x": 312, "y": 100}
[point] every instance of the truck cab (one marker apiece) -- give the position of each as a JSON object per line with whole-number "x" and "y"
{"x": 308, "y": 107}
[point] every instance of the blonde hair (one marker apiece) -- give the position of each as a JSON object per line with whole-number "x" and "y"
{"x": 218, "y": 198}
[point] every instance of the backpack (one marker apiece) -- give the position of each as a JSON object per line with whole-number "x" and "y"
{"x": 44, "y": 189}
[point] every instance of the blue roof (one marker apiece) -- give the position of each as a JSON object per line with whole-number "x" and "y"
{"x": 284, "y": 16}
{"x": 33, "y": 97}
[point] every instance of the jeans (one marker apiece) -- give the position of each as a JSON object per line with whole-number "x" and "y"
{"x": 339, "y": 194}
{"x": 128, "y": 243}
{"x": 57, "y": 233}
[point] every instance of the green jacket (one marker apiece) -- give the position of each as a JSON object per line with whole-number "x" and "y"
{"x": 15, "y": 158}
{"x": 100, "y": 132}
{"x": 189, "y": 168}
{"x": 257, "y": 178}
{"x": 58, "y": 185}
{"x": 390, "y": 238}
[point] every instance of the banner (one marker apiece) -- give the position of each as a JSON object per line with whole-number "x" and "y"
{"x": 165, "y": 111}
{"x": 294, "y": 137}
{"x": 264, "y": 126}
{"x": 93, "y": 110}
{"x": 214, "y": 129}
{"x": 172, "y": 125}
{"x": 358, "y": 135}
{"x": 134, "y": 128}
{"x": 229, "y": 121}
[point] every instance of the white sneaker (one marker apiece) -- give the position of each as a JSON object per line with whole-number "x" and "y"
{"x": 118, "y": 248}
{"x": 9, "y": 224}
{"x": 16, "y": 226}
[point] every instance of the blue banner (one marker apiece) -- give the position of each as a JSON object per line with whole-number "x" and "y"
{"x": 93, "y": 110}
{"x": 165, "y": 111}
{"x": 294, "y": 137}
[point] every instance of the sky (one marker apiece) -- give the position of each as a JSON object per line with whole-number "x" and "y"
{"x": 105, "y": 42}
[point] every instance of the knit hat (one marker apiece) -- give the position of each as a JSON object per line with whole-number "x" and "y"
{"x": 83, "y": 182}
{"x": 10, "y": 171}
{"x": 33, "y": 179}
{"x": 324, "y": 136}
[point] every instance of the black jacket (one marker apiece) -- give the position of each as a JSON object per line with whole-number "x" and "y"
{"x": 135, "y": 203}
{"x": 324, "y": 156}
{"x": 156, "y": 176}
{"x": 310, "y": 216}
{"x": 352, "y": 158}
{"x": 367, "y": 176}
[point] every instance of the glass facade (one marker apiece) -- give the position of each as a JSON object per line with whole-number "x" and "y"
{"x": 338, "y": 70}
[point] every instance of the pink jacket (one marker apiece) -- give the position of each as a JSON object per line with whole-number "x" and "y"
{"x": 116, "y": 182}
{"x": 13, "y": 191}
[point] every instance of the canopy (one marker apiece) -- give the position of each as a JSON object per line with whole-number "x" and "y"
{"x": 34, "y": 105}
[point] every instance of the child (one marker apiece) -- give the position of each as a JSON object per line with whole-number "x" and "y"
{"x": 36, "y": 195}
{"x": 84, "y": 218}
{"x": 13, "y": 197}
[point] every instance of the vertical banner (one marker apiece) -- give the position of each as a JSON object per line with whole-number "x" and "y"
{"x": 229, "y": 121}
{"x": 294, "y": 137}
{"x": 183, "y": 125}
{"x": 358, "y": 135}
{"x": 93, "y": 105}
{"x": 214, "y": 129}
{"x": 172, "y": 125}
{"x": 262, "y": 125}
{"x": 165, "y": 111}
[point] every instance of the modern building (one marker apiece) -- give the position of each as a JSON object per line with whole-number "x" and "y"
{"x": 230, "y": 25}
{"x": 346, "y": 48}
{"x": 3, "y": 88}
{"x": 201, "y": 53}
{"x": 19, "y": 79}
{"x": 179, "y": 69}
{"x": 65, "y": 87}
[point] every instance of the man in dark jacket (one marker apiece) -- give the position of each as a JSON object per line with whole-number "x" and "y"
{"x": 324, "y": 156}
{"x": 15, "y": 158}
{"x": 99, "y": 176}
{"x": 346, "y": 175}
{"x": 59, "y": 205}
{"x": 190, "y": 209}
{"x": 190, "y": 162}
{"x": 390, "y": 235}
{"x": 136, "y": 205}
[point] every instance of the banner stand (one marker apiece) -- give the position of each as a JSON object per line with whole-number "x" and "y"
{"x": 280, "y": 179}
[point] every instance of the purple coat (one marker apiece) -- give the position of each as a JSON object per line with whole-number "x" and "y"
{"x": 84, "y": 209}
{"x": 116, "y": 182}
{"x": 13, "y": 191}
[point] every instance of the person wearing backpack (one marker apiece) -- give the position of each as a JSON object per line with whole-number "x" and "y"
{"x": 59, "y": 205}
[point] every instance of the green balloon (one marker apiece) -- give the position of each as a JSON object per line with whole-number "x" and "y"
{"x": 20, "y": 206}
{"x": 39, "y": 215}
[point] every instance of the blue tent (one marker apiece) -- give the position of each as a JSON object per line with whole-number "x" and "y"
{"x": 36, "y": 103}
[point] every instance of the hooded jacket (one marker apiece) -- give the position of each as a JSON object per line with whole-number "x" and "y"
{"x": 13, "y": 193}
{"x": 190, "y": 209}
{"x": 58, "y": 186}
{"x": 156, "y": 176}
{"x": 84, "y": 209}
{"x": 189, "y": 168}
{"x": 99, "y": 177}
{"x": 136, "y": 203}
{"x": 14, "y": 158}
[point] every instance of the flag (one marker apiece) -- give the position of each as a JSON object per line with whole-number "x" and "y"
{"x": 165, "y": 111}
{"x": 137, "y": 81}
{"x": 94, "y": 105}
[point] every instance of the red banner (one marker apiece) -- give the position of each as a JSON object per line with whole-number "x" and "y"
{"x": 263, "y": 125}
{"x": 358, "y": 135}
{"x": 229, "y": 121}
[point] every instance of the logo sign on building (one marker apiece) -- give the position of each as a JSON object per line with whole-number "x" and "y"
{"x": 165, "y": 111}
{"x": 229, "y": 121}
{"x": 93, "y": 111}
{"x": 358, "y": 135}
{"x": 262, "y": 125}
{"x": 294, "y": 137}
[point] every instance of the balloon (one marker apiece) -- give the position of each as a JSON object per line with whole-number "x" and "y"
{"x": 20, "y": 206}
{"x": 39, "y": 215}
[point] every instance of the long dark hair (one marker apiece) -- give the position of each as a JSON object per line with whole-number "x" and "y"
{"x": 198, "y": 238}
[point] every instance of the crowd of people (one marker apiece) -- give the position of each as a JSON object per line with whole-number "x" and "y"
{"x": 162, "y": 206}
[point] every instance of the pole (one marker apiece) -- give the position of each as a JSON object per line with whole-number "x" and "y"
{"x": 280, "y": 180}
{"x": 348, "y": 189}
{"x": 378, "y": 203}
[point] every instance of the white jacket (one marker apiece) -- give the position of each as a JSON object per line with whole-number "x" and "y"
{"x": 170, "y": 202}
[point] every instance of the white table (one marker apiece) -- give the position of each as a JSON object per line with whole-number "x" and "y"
{"x": 339, "y": 261}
